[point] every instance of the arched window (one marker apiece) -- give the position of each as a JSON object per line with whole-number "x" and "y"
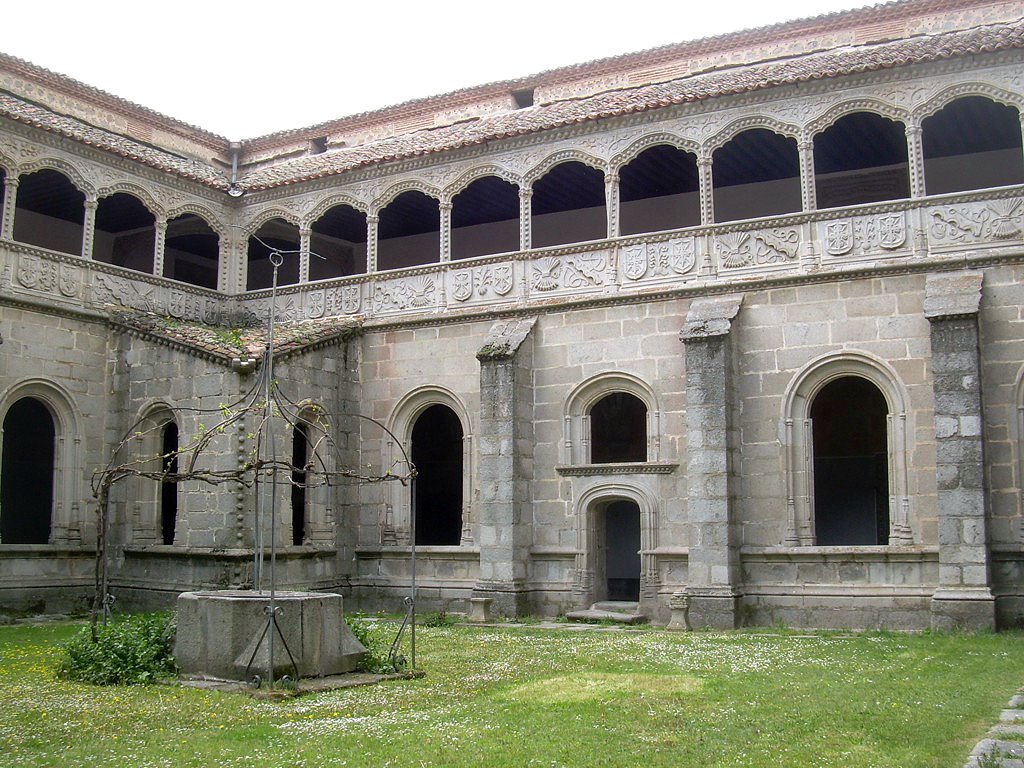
{"x": 338, "y": 238}
{"x": 659, "y": 189}
{"x": 861, "y": 158}
{"x": 851, "y": 463}
{"x": 437, "y": 453}
{"x": 568, "y": 205}
{"x": 125, "y": 233}
{"x": 50, "y": 212}
{"x": 300, "y": 499}
{"x": 618, "y": 429}
{"x": 275, "y": 234}
{"x": 485, "y": 218}
{"x": 756, "y": 173}
{"x": 409, "y": 231}
{"x": 972, "y": 143}
{"x": 27, "y": 475}
{"x": 169, "y": 486}
{"x": 191, "y": 251}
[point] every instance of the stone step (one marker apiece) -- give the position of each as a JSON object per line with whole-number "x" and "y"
{"x": 610, "y": 610}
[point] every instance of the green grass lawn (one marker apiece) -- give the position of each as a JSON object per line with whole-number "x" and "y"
{"x": 530, "y": 696}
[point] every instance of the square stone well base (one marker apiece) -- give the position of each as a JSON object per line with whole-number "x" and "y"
{"x": 220, "y": 632}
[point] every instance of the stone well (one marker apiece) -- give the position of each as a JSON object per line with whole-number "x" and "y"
{"x": 219, "y": 632}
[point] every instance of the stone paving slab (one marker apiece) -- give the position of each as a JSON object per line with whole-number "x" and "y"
{"x": 996, "y": 752}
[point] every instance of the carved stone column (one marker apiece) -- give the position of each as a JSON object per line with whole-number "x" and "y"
{"x": 707, "y": 192}
{"x": 305, "y": 235}
{"x": 159, "y": 244}
{"x": 915, "y": 160}
{"x": 89, "y": 227}
{"x": 445, "y": 208}
{"x": 371, "y": 242}
{"x": 964, "y": 596}
{"x": 713, "y": 563}
{"x": 611, "y": 202}
{"x": 808, "y": 191}
{"x": 10, "y": 204}
{"x": 229, "y": 262}
{"x": 525, "y": 212}
{"x": 505, "y": 462}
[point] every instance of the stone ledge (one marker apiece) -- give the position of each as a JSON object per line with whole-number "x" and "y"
{"x": 618, "y": 468}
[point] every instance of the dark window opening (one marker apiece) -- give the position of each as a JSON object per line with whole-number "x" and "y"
{"x": 618, "y": 429}
{"x": 26, "y": 480}
{"x": 300, "y": 457}
{"x": 622, "y": 550}
{"x": 851, "y": 463}
{"x": 409, "y": 232}
{"x": 169, "y": 487}
{"x": 50, "y": 212}
{"x": 339, "y": 236}
{"x": 3, "y": 193}
{"x": 437, "y": 489}
{"x": 972, "y": 143}
{"x": 757, "y": 173}
{"x": 523, "y": 97}
{"x": 568, "y": 206}
{"x": 485, "y": 218}
{"x": 276, "y": 234}
{"x": 318, "y": 145}
{"x": 191, "y": 251}
{"x": 861, "y": 158}
{"x": 125, "y": 234}
{"x": 659, "y": 190}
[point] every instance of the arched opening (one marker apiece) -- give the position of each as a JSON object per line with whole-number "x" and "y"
{"x": 568, "y": 206}
{"x": 191, "y": 251}
{"x": 169, "y": 486}
{"x": 339, "y": 237}
{"x": 409, "y": 231}
{"x": 756, "y": 173}
{"x": 27, "y": 476}
{"x": 276, "y": 234}
{"x": 50, "y": 212}
{"x": 300, "y": 497}
{"x": 972, "y": 143}
{"x": 3, "y": 193}
{"x": 659, "y": 190}
{"x": 851, "y": 463}
{"x": 618, "y": 429}
{"x": 619, "y": 546}
{"x": 485, "y": 218}
{"x": 437, "y": 489}
{"x": 125, "y": 234}
{"x": 861, "y": 158}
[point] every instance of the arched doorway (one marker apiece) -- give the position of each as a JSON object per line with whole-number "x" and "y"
{"x": 27, "y": 476}
{"x": 619, "y": 550}
{"x": 437, "y": 489}
{"x": 851, "y": 463}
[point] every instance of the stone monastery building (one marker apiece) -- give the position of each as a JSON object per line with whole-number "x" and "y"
{"x": 733, "y": 329}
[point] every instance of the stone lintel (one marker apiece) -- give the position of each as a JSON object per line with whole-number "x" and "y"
{"x": 952, "y": 294}
{"x": 505, "y": 338}
{"x": 710, "y": 317}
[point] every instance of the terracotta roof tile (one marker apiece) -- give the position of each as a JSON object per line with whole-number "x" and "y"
{"x": 25, "y": 112}
{"x": 813, "y": 66}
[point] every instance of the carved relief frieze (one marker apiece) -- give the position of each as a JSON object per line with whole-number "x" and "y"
{"x": 579, "y": 271}
{"x": 762, "y": 247}
{"x": 419, "y": 292}
{"x": 864, "y": 235}
{"x": 489, "y": 281}
{"x": 21, "y": 151}
{"x": 660, "y": 259}
{"x": 52, "y": 277}
{"x": 991, "y": 220}
{"x": 110, "y": 290}
{"x": 331, "y": 302}
{"x": 183, "y": 305}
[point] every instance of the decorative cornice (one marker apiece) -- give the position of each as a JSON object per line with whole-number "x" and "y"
{"x": 621, "y": 468}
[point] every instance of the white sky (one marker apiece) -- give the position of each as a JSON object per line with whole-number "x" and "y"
{"x": 243, "y": 69}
